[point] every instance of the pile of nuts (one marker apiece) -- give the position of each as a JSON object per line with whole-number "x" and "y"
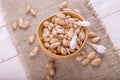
{"x": 58, "y": 32}
{"x": 85, "y": 58}
{"x": 52, "y": 71}
{"x": 25, "y": 24}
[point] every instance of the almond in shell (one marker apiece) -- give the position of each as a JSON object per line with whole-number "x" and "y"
{"x": 26, "y": 24}
{"x": 85, "y": 61}
{"x": 52, "y": 71}
{"x": 34, "y": 52}
{"x": 63, "y": 5}
{"x": 96, "y": 61}
{"x": 32, "y": 38}
{"x": 14, "y": 25}
{"x": 63, "y": 51}
{"x": 50, "y": 64}
{"x": 33, "y": 12}
{"x": 20, "y": 22}
{"x": 91, "y": 55}
{"x": 95, "y": 40}
{"x": 28, "y": 9}
{"x": 92, "y": 34}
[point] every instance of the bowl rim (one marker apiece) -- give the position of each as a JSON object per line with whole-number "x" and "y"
{"x": 55, "y": 56}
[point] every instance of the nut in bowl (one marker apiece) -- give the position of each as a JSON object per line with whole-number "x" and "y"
{"x": 56, "y": 32}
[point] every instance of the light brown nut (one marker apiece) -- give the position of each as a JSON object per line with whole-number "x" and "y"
{"x": 91, "y": 55}
{"x": 60, "y": 21}
{"x": 77, "y": 31}
{"x": 68, "y": 51}
{"x": 46, "y": 39}
{"x": 45, "y": 30}
{"x": 52, "y": 72}
{"x": 28, "y": 9}
{"x": 72, "y": 30}
{"x": 58, "y": 27}
{"x": 70, "y": 34}
{"x": 72, "y": 50}
{"x": 79, "y": 58}
{"x": 63, "y": 51}
{"x": 50, "y": 26}
{"x": 26, "y": 24}
{"x": 53, "y": 19}
{"x": 31, "y": 38}
{"x": 54, "y": 32}
{"x": 54, "y": 51}
{"x": 51, "y": 36}
{"x": 60, "y": 31}
{"x": 75, "y": 26}
{"x": 68, "y": 16}
{"x": 20, "y": 22}
{"x": 34, "y": 52}
{"x": 48, "y": 77}
{"x": 82, "y": 36}
{"x": 77, "y": 47}
{"x": 61, "y": 36}
{"x": 60, "y": 15}
{"x": 58, "y": 49}
{"x": 96, "y": 61}
{"x": 96, "y": 40}
{"x": 50, "y": 64}
{"x": 33, "y": 12}
{"x": 82, "y": 53}
{"x": 54, "y": 45}
{"x": 14, "y": 25}
{"x": 85, "y": 61}
{"x": 46, "y": 24}
{"x": 67, "y": 9}
{"x": 63, "y": 5}
{"x": 76, "y": 10}
{"x": 92, "y": 34}
{"x": 46, "y": 34}
{"x": 71, "y": 20}
{"x": 79, "y": 41}
{"x": 46, "y": 45}
{"x": 65, "y": 42}
{"x": 54, "y": 40}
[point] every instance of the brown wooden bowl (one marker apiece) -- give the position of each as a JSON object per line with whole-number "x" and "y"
{"x": 39, "y": 36}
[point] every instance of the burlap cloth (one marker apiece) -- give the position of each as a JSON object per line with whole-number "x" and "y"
{"x": 68, "y": 69}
